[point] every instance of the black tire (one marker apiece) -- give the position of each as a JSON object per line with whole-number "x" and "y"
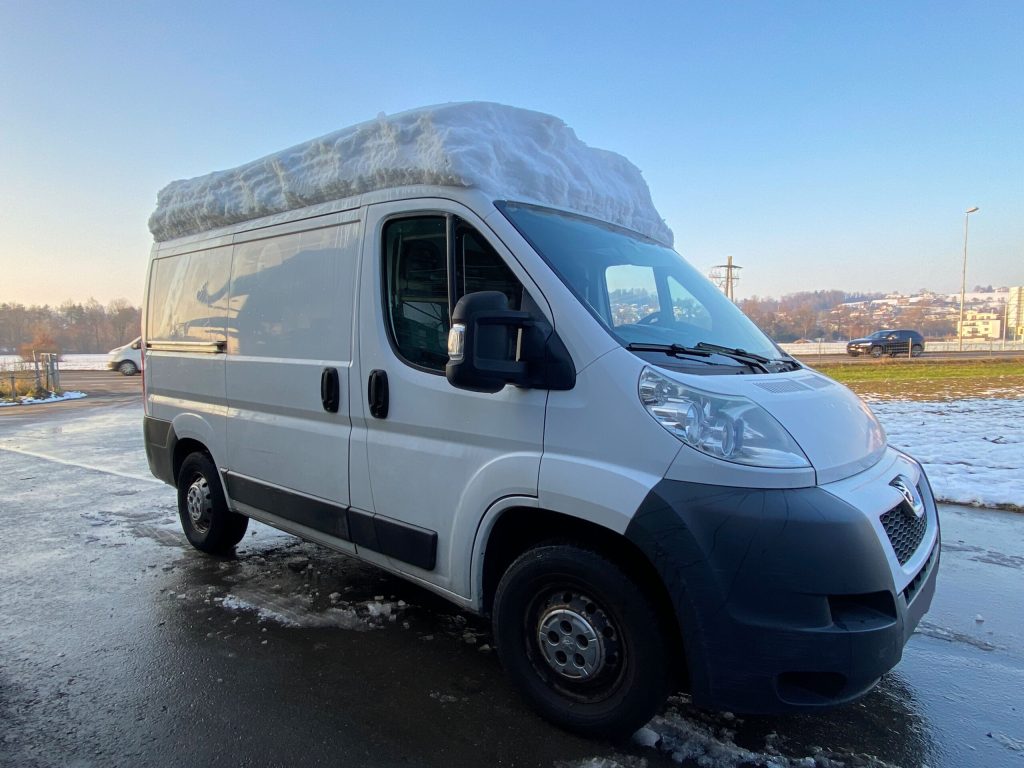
{"x": 876, "y": 351}
{"x": 208, "y": 523}
{"x": 916, "y": 351}
{"x": 627, "y": 655}
{"x": 127, "y": 368}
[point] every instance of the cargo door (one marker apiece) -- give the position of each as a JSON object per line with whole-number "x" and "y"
{"x": 289, "y": 357}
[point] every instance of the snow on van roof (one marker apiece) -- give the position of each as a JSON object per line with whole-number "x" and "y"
{"x": 511, "y": 153}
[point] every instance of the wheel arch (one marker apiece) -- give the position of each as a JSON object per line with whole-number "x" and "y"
{"x": 182, "y": 449}
{"x": 518, "y": 528}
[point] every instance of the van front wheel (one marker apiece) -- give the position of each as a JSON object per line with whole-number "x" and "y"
{"x": 581, "y": 641}
{"x": 208, "y": 523}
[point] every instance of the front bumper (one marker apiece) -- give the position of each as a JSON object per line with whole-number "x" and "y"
{"x": 787, "y": 600}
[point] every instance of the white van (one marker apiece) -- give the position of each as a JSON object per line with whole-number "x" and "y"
{"x": 457, "y": 343}
{"x": 126, "y": 359}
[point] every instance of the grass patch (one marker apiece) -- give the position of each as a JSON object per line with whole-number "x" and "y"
{"x": 19, "y": 380}
{"x": 890, "y": 379}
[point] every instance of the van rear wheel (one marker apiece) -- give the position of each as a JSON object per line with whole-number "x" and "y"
{"x": 916, "y": 350}
{"x": 208, "y": 523}
{"x": 581, "y": 641}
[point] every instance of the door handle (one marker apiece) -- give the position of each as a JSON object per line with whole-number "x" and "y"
{"x": 377, "y": 394}
{"x": 330, "y": 389}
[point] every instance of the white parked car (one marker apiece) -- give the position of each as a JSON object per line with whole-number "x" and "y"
{"x": 457, "y": 343}
{"x": 126, "y": 359}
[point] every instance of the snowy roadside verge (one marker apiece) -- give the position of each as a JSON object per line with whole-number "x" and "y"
{"x": 971, "y": 449}
{"x": 75, "y": 362}
{"x": 53, "y": 398}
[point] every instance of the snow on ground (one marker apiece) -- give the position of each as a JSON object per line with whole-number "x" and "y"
{"x": 36, "y": 400}
{"x": 509, "y": 153}
{"x": 693, "y": 737}
{"x": 972, "y": 450}
{"x": 67, "y": 363}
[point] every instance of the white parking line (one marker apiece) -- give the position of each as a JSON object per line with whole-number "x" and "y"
{"x": 81, "y": 465}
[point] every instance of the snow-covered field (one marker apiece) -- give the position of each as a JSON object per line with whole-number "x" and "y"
{"x": 68, "y": 362}
{"x": 972, "y": 450}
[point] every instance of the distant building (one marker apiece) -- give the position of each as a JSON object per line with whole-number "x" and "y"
{"x": 982, "y": 325}
{"x": 1015, "y": 313}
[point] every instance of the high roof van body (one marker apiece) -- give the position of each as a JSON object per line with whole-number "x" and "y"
{"x": 489, "y": 373}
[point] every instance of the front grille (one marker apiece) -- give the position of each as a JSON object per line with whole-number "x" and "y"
{"x": 905, "y": 530}
{"x": 915, "y": 584}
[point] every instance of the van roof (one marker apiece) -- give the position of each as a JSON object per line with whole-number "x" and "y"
{"x": 507, "y": 152}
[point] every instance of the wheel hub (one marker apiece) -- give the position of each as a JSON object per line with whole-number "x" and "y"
{"x": 198, "y": 504}
{"x": 575, "y": 638}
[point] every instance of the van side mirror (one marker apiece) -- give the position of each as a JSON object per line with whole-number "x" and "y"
{"x": 136, "y": 345}
{"x": 490, "y": 346}
{"x": 483, "y": 343}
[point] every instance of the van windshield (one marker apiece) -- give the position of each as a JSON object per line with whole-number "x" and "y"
{"x": 642, "y": 292}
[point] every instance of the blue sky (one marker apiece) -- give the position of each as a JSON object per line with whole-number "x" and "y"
{"x": 821, "y": 144}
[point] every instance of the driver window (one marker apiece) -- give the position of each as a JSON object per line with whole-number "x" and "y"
{"x": 416, "y": 273}
{"x": 632, "y": 293}
{"x": 416, "y": 278}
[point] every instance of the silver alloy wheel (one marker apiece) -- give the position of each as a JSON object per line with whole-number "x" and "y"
{"x": 199, "y": 504}
{"x": 576, "y": 638}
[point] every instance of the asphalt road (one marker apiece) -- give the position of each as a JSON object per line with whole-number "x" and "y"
{"x": 120, "y": 645}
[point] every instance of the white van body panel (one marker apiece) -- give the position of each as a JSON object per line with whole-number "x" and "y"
{"x": 292, "y": 298}
{"x": 600, "y": 462}
{"x": 188, "y": 389}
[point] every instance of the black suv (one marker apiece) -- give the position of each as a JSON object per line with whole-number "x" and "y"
{"x": 889, "y": 342}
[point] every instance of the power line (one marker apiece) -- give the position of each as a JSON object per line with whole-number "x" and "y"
{"x": 725, "y": 277}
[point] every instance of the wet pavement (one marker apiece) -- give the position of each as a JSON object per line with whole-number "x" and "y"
{"x": 120, "y": 645}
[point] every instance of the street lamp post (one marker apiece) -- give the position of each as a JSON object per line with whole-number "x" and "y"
{"x": 963, "y": 278}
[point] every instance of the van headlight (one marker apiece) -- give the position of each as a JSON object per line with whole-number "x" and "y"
{"x": 724, "y": 426}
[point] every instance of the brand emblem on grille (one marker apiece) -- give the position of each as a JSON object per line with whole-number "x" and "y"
{"x": 913, "y": 500}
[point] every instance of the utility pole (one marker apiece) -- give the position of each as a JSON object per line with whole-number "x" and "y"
{"x": 725, "y": 277}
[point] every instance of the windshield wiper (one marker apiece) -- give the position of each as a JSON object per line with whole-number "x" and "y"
{"x": 668, "y": 349}
{"x": 673, "y": 350}
{"x": 704, "y": 349}
{"x": 741, "y": 355}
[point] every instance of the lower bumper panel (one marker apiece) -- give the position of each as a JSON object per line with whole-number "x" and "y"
{"x": 785, "y": 598}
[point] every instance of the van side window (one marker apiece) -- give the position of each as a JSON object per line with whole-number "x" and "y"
{"x": 179, "y": 309}
{"x": 479, "y": 268}
{"x": 416, "y": 279}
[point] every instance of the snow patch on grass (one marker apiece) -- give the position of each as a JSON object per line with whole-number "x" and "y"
{"x": 53, "y": 398}
{"x": 972, "y": 449}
